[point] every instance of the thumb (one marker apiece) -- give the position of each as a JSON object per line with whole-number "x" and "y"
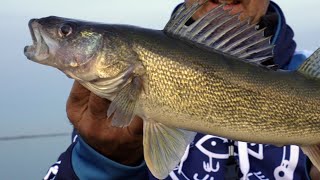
{"x": 136, "y": 127}
{"x": 77, "y": 101}
{"x": 98, "y": 107}
{"x": 78, "y": 95}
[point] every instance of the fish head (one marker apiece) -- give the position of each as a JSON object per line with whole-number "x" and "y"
{"x": 63, "y": 43}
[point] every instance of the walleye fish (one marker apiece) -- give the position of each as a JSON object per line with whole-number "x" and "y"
{"x": 205, "y": 77}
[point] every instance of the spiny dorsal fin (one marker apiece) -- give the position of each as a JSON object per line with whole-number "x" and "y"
{"x": 311, "y": 66}
{"x": 220, "y": 30}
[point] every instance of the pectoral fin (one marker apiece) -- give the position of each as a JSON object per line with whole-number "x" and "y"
{"x": 109, "y": 87}
{"x": 313, "y": 152}
{"x": 164, "y": 147}
{"x": 123, "y": 105}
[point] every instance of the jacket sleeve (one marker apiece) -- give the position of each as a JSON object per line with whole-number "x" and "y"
{"x": 62, "y": 169}
{"x": 80, "y": 161}
{"x": 297, "y": 59}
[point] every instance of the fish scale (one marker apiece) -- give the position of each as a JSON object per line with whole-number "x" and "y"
{"x": 236, "y": 105}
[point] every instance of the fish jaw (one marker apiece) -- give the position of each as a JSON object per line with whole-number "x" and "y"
{"x": 39, "y": 50}
{"x": 43, "y": 46}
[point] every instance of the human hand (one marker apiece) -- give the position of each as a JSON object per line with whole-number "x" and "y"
{"x": 248, "y": 8}
{"x": 88, "y": 114}
{"x": 314, "y": 173}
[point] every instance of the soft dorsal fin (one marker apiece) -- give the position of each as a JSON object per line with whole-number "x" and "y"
{"x": 220, "y": 30}
{"x": 311, "y": 66}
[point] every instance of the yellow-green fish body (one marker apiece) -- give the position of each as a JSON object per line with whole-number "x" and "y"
{"x": 220, "y": 95}
{"x": 206, "y": 77}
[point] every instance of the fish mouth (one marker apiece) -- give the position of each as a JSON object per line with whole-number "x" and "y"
{"x": 39, "y": 50}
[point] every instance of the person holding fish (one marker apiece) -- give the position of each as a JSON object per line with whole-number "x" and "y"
{"x": 114, "y": 140}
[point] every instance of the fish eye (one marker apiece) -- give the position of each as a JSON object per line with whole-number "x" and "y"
{"x": 65, "y": 30}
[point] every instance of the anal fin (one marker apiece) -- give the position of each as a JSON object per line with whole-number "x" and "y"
{"x": 164, "y": 147}
{"x": 313, "y": 153}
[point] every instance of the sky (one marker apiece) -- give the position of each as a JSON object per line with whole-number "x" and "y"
{"x": 32, "y": 91}
{"x": 33, "y": 96}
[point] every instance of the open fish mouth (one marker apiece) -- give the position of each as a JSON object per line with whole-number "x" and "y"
{"x": 39, "y": 50}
